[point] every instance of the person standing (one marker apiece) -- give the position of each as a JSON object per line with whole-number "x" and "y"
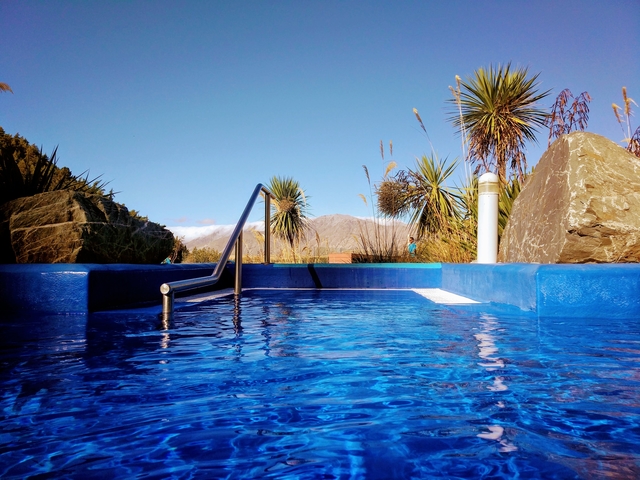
{"x": 411, "y": 247}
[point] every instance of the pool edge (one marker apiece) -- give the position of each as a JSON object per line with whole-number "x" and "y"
{"x": 568, "y": 291}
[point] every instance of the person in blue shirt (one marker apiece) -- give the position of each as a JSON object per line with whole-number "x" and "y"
{"x": 412, "y": 247}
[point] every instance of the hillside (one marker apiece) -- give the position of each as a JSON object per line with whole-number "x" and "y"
{"x": 328, "y": 233}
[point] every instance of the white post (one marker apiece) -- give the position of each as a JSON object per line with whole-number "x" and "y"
{"x": 488, "y": 191}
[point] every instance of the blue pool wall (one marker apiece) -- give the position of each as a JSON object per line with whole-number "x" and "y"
{"x": 379, "y": 275}
{"x": 83, "y": 288}
{"x": 567, "y": 291}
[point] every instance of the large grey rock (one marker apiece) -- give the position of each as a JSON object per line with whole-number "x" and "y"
{"x": 73, "y": 227}
{"x": 581, "y": 205}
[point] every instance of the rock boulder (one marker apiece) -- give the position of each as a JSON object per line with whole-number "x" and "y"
{"x": 581, "y": 205}
{"x": 73, "y": 227}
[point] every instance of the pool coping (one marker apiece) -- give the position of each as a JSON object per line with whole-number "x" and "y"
{"x": 567, "y": 291}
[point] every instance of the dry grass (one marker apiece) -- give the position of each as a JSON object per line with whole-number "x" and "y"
{"x": 632, "y": 140}
{"x": 455, "y": 246}
{"x": 378, "y": 243}
{"x": 379, "y": 240}
{"x": 201, "y": 255}
{"x": 316, "y": 253}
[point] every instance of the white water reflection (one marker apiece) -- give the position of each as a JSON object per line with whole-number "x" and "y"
{"x": 164, "y": 340}
{"x": 488, "y": 352}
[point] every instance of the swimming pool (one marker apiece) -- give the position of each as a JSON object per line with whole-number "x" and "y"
{"x": 320, "y": 384}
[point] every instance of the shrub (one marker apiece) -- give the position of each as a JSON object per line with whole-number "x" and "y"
{"x": 202, "y": 255}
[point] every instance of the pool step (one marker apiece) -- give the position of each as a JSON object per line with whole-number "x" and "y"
{"x": 438, "y": 295}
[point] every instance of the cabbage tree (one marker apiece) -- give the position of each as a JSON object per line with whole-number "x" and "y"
{"x": 496, "y": 111}
{"x": 289, "y": 219}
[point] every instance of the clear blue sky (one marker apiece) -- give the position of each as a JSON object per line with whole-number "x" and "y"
{"x": 185, "y": 106}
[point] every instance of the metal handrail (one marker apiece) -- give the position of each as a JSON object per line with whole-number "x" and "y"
{"x": 169, "y": 289}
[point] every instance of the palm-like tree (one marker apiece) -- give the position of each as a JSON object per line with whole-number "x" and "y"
{"x": 496, "y": 110}
{"x": 423, "y": 194}
{"x": 433, "y": 204}
{"x": 289, "y": 220}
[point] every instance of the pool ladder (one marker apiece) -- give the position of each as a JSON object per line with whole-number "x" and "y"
{"x": 169, "y": 289}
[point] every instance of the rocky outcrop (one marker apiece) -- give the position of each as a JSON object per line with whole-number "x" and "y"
{"x": 581, "y": 205}
{"x": 73, "y": 227}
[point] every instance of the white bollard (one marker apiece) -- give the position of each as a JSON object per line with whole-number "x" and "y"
{"x": 488, "y": 192}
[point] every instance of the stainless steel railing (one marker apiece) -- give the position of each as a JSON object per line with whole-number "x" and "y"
{"x": 169, "y": 289}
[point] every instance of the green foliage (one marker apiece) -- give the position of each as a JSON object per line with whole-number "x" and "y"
{"x": 289, "y": 216}
{"x": 433, "y": 204}
{"x": 450, "y": 233}
{"x": 201, "y": 255}
{"x": 421, "y": 193}
{"x": 179, "y": 252}
{"x": 468, "y": 204}
{"x": 496, "y": 111}
{"x": 26, "y": 171}
{"x": 456, "y": 245}
{"x": 508, "y": 194}
{"x": 136, "y": 214}
{"x": 468, "y": 212}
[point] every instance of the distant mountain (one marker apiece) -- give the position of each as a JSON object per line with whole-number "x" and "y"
{"x": 326, "y": 234}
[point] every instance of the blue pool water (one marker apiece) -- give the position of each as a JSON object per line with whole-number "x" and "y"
{"x": 320, "y": 384}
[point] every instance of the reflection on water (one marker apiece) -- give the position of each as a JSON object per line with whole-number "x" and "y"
{"x": 488, "y": 352}
{"x": 237, "y": 312}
